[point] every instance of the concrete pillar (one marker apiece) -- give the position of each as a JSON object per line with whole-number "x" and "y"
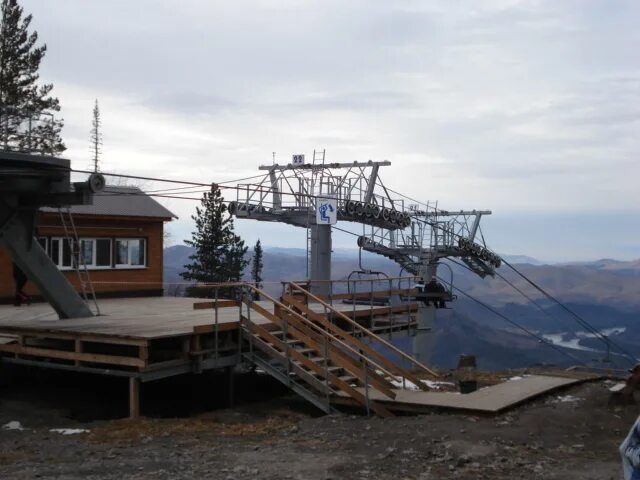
{"x": 320, "y": 255}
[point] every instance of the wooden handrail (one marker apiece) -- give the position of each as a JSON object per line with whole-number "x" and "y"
{"x": 308, "y": 323}
{"x": 367, "y": 331}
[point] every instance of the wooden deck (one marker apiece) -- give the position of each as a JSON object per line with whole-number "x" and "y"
{"x": 142, "y": 318}
{"x": 139, "y": 318}
{"x": 145, "y": 338}
{"x": 488, "y": 400}
{"x": 136, "y": 335}
{"x": 150, "y": 338}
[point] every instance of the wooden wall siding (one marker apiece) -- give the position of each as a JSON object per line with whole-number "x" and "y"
{"x": 149, "y": 278}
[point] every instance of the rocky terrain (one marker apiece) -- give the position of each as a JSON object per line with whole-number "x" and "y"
{"x": 570, "y": 434}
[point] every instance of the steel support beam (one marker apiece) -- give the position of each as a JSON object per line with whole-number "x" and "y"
{"x": 17, "y": 237}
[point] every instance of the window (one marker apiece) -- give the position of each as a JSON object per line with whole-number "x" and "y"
{"x": 103, "y": 252}
{"x": 130, "y": 252}
{"x": 93, "y": 252}
{"x": 60, "y": 252}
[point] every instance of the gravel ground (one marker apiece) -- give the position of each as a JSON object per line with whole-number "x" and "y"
{"x": 567, "y": 435}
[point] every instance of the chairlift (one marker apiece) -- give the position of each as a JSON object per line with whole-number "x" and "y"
{"x": 373, "y": 276}
{"x": 439, "y": 294}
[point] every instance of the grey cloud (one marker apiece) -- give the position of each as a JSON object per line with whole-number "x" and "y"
{"x": 185, "y": 102}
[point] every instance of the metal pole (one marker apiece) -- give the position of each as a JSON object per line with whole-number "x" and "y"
{"x": 216, "y": 325}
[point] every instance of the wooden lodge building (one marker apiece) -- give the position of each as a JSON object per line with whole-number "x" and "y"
{"x": 121, "y": 240}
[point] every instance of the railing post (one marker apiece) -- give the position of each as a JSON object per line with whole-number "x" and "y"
{"x": 371, "y": 303}
{"x": 241, "y": 322}
{"x": 326, "y": 369}
{"x": 249, "y": 305}
{"x": 287, "y": 355}
{"x": 366, "y": 385}
{"x": 331, "y": 293}
{"x": 216, "y": 325}
{"x": 353, "y": 303}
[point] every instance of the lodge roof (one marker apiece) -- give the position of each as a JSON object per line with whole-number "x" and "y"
{"x": 121, "y": 201}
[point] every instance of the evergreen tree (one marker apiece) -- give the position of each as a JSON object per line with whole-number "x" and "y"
{"x": 256, "y": 268}
{"x": 96, "y": 138}
{"x": 20, "y": 94}
{"x": 219, "y": 252}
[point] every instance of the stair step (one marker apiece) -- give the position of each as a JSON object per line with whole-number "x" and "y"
{"x": 331, "y": 369}
{"x": 347, "y": 378}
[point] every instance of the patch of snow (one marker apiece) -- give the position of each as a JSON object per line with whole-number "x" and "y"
{"x": 69, "y": 431}
{"x": 12, "y": 425}
{"x": 517, "y": 377}
{"x": 436, "y": 385}
{"x": 408, "y": 385}
{"x": 567, "y": 399}
{"x": 617, "y": 387}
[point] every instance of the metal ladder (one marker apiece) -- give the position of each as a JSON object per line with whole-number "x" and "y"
{"x": 77, "y": 258}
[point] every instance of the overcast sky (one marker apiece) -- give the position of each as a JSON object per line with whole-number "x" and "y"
{"x": 528, "y": 108}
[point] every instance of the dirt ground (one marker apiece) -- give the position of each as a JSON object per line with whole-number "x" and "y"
{"x": 273, "y": 435}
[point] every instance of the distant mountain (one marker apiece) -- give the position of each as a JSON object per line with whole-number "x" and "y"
{"x": 522, "y": 259}
{"x": 609, "y": 283}
{"x": 606, "y": 293}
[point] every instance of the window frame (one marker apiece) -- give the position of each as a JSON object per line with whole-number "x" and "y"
{"x": 143, "y": 241}
{"x": 94, "y": 256}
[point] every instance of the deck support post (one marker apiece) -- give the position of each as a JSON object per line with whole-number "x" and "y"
{"x": 229, "y": 371}
{"x": 134, "y": 398}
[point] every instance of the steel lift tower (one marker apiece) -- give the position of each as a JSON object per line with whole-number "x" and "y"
{"x": 433, "y": 234}
{"x": 315, "y": 196}
{"x": 30, "y": 178}
{"x": 415, "y": 236}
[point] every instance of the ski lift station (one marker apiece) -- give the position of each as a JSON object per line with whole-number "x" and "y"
{"x": 329, "y": 341}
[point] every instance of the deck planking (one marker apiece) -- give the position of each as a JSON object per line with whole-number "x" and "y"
{"x": 141, "y": 318}
{"x": 488, "y": 400}
{"x": 135, "y": 318}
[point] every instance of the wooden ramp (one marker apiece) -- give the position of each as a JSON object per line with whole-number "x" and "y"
{"x": 488, "y": 400}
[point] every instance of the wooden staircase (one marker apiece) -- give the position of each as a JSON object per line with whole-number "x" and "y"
{"x": 316, "y": 358}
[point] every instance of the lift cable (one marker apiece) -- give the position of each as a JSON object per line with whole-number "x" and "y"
{"x": 538, "y": 306}
{"x": 517, "y": 325}
{"x": 512, "y": 285}
{"x": 606, "y": 340}
{"x": 583, "y": 322}
{"x": 630, "y": 357}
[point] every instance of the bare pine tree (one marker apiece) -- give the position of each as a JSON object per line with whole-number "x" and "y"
{"x": 96, "y": 138}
